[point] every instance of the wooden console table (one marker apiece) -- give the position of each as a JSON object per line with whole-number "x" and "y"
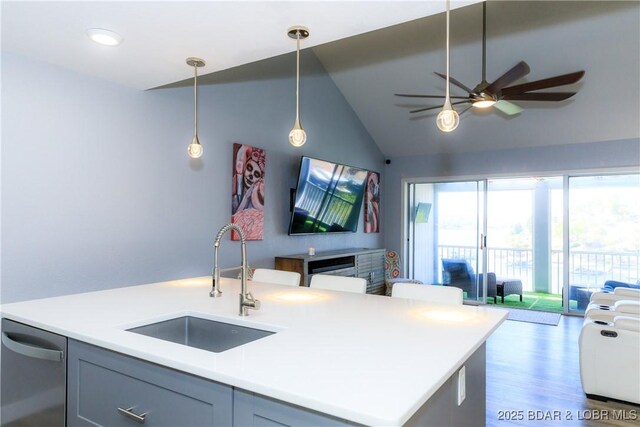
{"x": 356, "y": 262}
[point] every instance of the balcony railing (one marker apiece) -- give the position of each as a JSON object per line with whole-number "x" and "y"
{"x": 586, "y": 268}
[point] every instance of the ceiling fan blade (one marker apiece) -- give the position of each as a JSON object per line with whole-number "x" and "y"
{"x": 520, "y": 70}
{"x": 507, "y": 107}
{"x": 408, "y": 95}
{"x": 455, "y": 82}
{"x": 437, "y": 106}
{"x": 565, "y": 79}
{"x": 425, "y": 109}
{"x": 540, "y": 96}
{"x": 465, "y": 110}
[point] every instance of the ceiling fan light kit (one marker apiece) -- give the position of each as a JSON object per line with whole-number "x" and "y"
{"x": 297, "y": 136}
{"x": 484, "y": 100}
{"x": 448, "y": 118}
{"x": 195, "y": 149}
{"x": 499, "y": 94}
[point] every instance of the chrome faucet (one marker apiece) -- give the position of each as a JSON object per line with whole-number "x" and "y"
{"x": 247, "y": 300}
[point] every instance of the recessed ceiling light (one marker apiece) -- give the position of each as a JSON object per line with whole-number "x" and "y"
{"x": 104, "y": 37}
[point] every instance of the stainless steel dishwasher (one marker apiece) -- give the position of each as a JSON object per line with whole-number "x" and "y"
{"x": 34, "y": 372}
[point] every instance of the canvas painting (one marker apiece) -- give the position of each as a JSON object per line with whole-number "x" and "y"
{"x": 247, "y": 193}
{"x": 372, "y": 203}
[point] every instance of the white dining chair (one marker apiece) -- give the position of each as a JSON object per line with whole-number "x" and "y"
{"x": 339, "y": 283}
{"x": 279, "y": 277}
{"x": 431, "y": 293}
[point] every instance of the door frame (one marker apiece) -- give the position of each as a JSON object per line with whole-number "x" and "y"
{"x": 404, "y": 227}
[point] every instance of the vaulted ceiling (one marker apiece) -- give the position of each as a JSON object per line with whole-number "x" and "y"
{"x": 602, "y": 38}
{"x": 160, "y": 35}
{"x": 371, "y": 50}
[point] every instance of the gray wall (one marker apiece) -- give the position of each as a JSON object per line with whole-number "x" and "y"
{"x": 514, "y": 162}
{"x": 98, "y": 190}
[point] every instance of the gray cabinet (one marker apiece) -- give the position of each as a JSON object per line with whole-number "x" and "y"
{"x": 254, "y": 410}
{"x": 359, "y": 262}
{"x": 110, "y": 389}
{"x": 442, "y": 409}
{"x": 370, "y": 266}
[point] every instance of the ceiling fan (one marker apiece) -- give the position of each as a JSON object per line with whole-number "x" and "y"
{"x": 498, "y": 94}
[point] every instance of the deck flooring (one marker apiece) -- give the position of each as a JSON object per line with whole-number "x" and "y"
{"x": 533, "y": 375}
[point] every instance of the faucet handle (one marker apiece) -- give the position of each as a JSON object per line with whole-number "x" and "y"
{"x": 253, "y": 303}
{"x": 247, "y": 301}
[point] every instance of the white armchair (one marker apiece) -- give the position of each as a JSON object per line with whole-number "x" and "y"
{"x": 609, "y": 298}
{"x": 610, "y": 359}
{"x": 607, "y": 313}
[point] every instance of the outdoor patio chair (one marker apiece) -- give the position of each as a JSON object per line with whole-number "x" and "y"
{"x": 459, "y": 273}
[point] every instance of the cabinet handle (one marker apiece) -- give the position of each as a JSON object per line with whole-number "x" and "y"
{"x": 129, "y": 414}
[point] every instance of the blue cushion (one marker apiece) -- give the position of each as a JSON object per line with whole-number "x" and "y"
{"x": 610, "y": 285}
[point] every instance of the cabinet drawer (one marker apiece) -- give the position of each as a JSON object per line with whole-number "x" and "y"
{"x": 101, "y": 381}
{"x": 254, "y": 410}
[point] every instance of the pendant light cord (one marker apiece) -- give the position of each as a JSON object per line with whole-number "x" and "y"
{"x": 447, "y": 100}
{"x": 195, "y": 99}
{"x": 297, "y": 75}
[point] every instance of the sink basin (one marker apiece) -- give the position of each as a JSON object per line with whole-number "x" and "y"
{"x": 201, "y": 333}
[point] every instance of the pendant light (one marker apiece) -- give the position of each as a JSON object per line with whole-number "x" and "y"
{"x": 447, "y": 119}
{"x": 297, "y": 136}
{"x": 195, "y": 149}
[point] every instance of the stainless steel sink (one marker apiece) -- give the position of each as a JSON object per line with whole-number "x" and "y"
{"x": 201, "y": 333}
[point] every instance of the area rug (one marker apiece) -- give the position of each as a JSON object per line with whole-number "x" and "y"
{"x": 532, "y": 316}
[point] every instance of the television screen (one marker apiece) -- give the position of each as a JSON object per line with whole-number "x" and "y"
{"x": 328, "y": 198}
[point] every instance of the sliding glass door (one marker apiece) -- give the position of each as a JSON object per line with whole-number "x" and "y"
{"x": 446, "y": 227}
{"x": 603, "y": 235}
{"x": 524, "y": 218}
{"x": 553, "y": 241}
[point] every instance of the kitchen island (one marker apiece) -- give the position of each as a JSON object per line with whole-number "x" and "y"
{"x": 365, "y": 359}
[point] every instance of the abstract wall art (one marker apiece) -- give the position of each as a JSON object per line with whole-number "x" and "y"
{"x": 247, "y": 191}
{"x": 372, "y": 203}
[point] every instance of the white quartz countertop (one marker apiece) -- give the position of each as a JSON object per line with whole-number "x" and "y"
{"x": 368, "y": 359}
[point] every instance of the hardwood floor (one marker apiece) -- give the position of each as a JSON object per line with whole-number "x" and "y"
{"x": 533, "y": 378}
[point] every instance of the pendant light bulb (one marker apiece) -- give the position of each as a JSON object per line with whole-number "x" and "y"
{"x": 195, "y": 149}
{"x": 297, "y": 136}
{"x": 448, "y": 119}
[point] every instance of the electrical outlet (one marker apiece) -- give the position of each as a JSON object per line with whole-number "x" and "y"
{"x": 462, "y": 392}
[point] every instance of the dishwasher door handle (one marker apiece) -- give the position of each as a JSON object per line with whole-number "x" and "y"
{"x": 30, "y": 350}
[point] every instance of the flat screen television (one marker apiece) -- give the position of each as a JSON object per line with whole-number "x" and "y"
{"x": 328, "y": 198}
